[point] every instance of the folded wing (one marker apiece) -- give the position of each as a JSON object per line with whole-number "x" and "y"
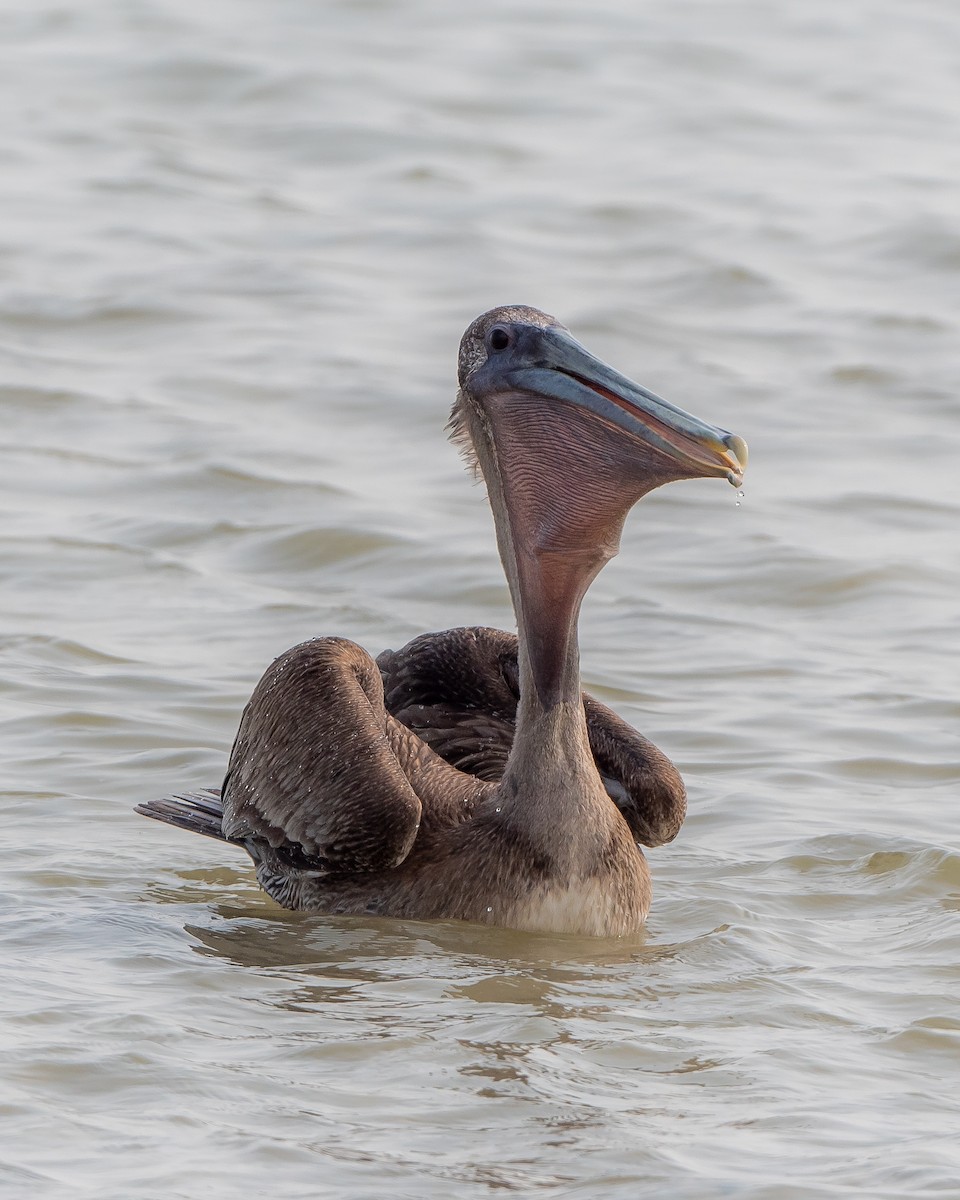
{"x": 458, "y": 692}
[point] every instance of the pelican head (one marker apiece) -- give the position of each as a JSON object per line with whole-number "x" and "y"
{"x": 567, "y": 445}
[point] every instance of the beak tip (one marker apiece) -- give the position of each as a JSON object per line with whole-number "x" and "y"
{"x": 737, "y": 450}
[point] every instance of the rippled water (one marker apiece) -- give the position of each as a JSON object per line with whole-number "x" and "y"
{"x": 238, "y": 244}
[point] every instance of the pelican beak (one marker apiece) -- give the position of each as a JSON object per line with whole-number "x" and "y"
{"x": 564, "y": 370}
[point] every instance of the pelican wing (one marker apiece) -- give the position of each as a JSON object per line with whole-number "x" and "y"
{"x": 313, "y": 771}
{"x": 642, "y": 782}
{"x": 458, "y": 692}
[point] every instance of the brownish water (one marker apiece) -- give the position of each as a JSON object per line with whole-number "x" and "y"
{"x": 238, "y": 244}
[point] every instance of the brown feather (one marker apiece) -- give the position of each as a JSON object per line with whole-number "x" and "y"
{"x": 423, "y": 785}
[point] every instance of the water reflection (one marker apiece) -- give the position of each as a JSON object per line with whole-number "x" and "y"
{"x": 284, "y": 939}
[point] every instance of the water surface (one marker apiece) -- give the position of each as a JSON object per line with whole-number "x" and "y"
{"x": 238, "y": 245}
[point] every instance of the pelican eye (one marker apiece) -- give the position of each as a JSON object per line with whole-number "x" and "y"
{"x": 499, "y": 338}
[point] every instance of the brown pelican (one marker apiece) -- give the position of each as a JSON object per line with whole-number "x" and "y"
{"x": 466, "y": 775}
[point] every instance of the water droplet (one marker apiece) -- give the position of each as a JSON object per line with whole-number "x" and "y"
{"x": 489, "y": 908}
{"x": 739, "y": 498}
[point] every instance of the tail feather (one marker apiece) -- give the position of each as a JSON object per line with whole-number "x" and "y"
{"x": 200, "y": 812}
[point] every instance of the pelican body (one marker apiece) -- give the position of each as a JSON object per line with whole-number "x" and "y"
{"x": 467, "y": 776}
